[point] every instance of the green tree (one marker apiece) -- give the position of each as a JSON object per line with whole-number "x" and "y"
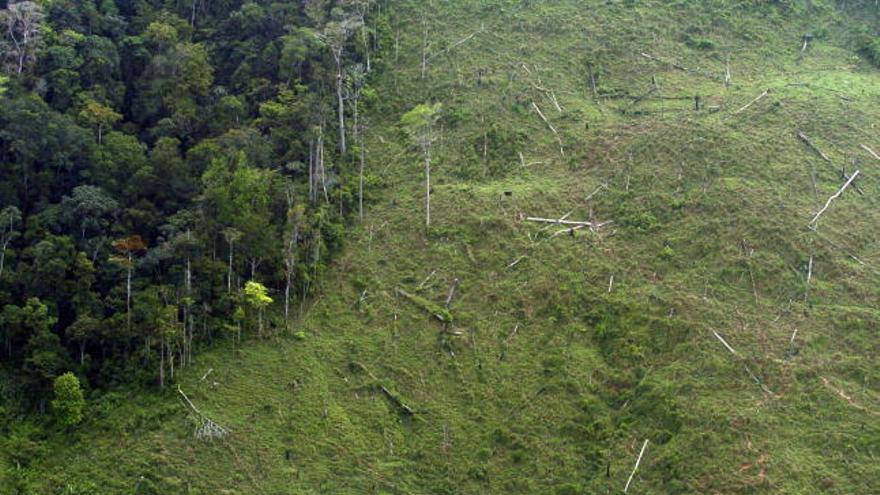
{"x": 98, "y": 116}
{"x": 419, "y": 125}
{"x": 256, "y": 296}
{"x": 69, "y": 402}
{"x": 10, "y": 217}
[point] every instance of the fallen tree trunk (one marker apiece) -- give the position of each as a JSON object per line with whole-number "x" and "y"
{"x": 756, "y": 100}
{"x": 870, "y": 151}
{"x": 567, "y": 222}
{"x": 813, "y": 222}
{"x": 393, "y": 397}
{"x": 803, "y": 137}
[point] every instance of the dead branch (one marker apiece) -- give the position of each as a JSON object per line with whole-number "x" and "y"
{"x": 596, "y": 191}
{"x": 870, "y": 151}
{"x": 813, "y": 222}
{"x": 451, "y": 294}
{"x": 568, "y": 222}
{"x": 847, "y": 397}
{"x": 206, "y": 429}
{"x": 747, "y": 105}
{"x": 541, "y": 114}
{"x": 745, "y": 366}
{"x": 673, "y": 64}
{"x": 636, "y": 467}
{"x": 803, "y": 137}
{"x": 553, "y": 129}
{"x": 570, "y": 230}
{"x": 515, "y": 262}
{"x": 394, "y": 398}
{"x": 725, "y": 343}
{"x": 422, "y": 285}
{"x": 455, "y": 45}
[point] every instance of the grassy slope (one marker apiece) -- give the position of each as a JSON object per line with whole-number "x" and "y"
{"x": 710, "y": 210}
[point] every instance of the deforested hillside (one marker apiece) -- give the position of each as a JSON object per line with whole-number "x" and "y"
{"x": 650, "y": 266}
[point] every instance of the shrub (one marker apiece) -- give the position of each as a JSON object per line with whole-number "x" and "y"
{"x": 872, "y": 51}
{"x": 69, "y": 401}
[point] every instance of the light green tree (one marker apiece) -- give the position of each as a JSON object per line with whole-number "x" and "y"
{"x": 419, "y": 124}
{"x": 98, "y": 116}
{"x": 69, "y": 402}
{"x": 256, "y": 296}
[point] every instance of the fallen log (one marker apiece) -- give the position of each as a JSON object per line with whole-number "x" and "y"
{"x": 813, "y": 222}
{"x": 756, "y": 100}
{"x": 568, "y": 222}
{"x": 803, "y": 137}
{"x": 870, "y": 151}
{"x": 638, "y": 461}
{"x": 393, "y": 397}
{"x": 451, "y": 294}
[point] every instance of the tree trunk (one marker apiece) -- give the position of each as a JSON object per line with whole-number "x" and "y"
{"x": 360, "y": 190}
{"x": 427, "y": 188}
{"x": 162, "y": 363}
{"x": 128, "y": 293}
{"x": 229, "y": 276}
{"x": 341, "y": 106}
{"x": 311, "y": 170}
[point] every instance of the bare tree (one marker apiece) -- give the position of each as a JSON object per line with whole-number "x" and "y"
{"x": 22, "y": 22}
{"x": 419, "y": 123}
{"x": 231, "y": 235}
{"x": 356, "y": 83}
{"x": 335, "y": 36}
{"x": 9, "y": 218}
{"x": 291, "y": 238}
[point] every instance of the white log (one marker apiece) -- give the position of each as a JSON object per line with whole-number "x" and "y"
{"x": 870, "y": 151}
{"x": 568, "y": 230}
{"x": 636, "y": 467}
{"x": 815, "y": 219}
{"x": 725, "y": 343}
{"x": 743, "y": 109}
{"x": 566, "y": 222}
{"x": 596, "y": 191}
{"x": 541, "y": 114}
{"x": 803, "y": 137}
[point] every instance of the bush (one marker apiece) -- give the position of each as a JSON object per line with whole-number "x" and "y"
{"x": 69, "y": 401}
{"x": 872, "y": 51}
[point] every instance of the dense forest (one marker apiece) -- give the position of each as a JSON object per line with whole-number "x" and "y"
{"x": 168, "y": 170}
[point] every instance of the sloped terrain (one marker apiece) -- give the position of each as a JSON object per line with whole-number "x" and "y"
{"x": 567, "y": 350}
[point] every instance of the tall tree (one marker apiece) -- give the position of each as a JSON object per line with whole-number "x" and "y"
{"x": 128, "y": 247}
{"x": 419, "y": 124}
{"x": 335, "y": 36}
{"x": 256, "y": 296}
{"x": 23, "y": 23}
{"x": 10, "y": 217}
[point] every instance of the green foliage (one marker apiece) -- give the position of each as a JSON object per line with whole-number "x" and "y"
{"x": 872, "y": 50}
{"x": 69, "y": 403}
{"x": 256, "y": 295}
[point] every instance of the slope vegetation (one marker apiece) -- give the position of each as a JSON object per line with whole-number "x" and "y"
{"x": 566, "y": 350}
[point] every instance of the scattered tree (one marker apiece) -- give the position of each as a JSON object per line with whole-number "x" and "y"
{"x": 419, "y": 124}
{"x": 256, "y": 296}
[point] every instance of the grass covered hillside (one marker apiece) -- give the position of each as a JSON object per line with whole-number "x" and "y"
{"x": 701, "y": 311}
